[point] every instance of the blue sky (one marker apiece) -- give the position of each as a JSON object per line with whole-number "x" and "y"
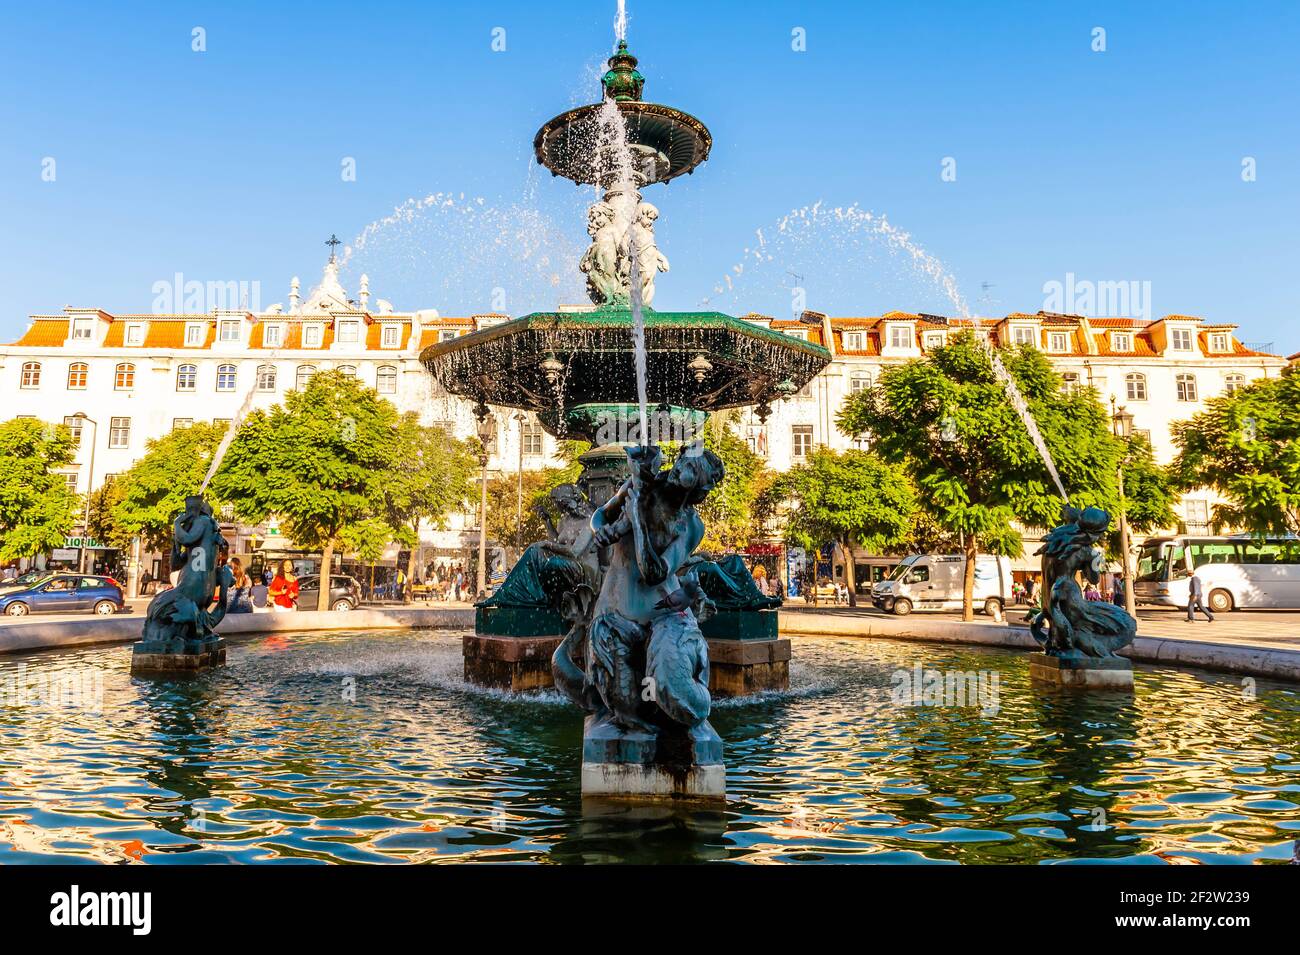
{"x": 225, "y": 165}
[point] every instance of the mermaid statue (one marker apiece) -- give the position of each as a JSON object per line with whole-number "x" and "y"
{"x": 1069, "y": 626}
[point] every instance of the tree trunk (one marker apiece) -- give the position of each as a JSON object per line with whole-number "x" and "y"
{"x": 411, "y": 561}
{"x": 326, "y": 569}
{"x": 968, "y": 579}
{"x": 850, "y": 573}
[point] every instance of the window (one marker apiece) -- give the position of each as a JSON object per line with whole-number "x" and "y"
{"x": 859, "y": 381}
{"x": 193, "y": 335}
{"x": 1219, "y": 342}
{"x": 1196, "y": 514}
{"x": 1143, "y": 434}
{"x": 1234, "y": 383}
{"x": 119, "y": 432}
{"x": 801, "y": 439}
{"x": 1023, "y": 335}
{"x": 187, "y": 377}
{"x": 853, "y": 341}
{"x": 222, "y": 422}
{"x": 391, "y": 336}
{"x": 347, "y": 333}
{"x": 229, "y": 331}
{"x": 32, "y": 374}
{"x": 178, "y": 423}
{"x": 70, "y": 478}
{"x": 226, "y": 378}
{"x": 799, "y": 333}
{"x": 303, "y": 374}
{"x": 1070, "y": 382}
{"x": 1058, "y": 342}
{"x": 532, "y": 438}
{"x": 266, "y": 378}
{"x": 124, "y": 377}
{"x": 134, "y": 334}
{"x": 82, "y": 329}
{"x": 386, "y": 380}
{"x": 311, "y": 336}
{"x": 1121, "y": 341}
{"x": 78, "y": 372}
{"x": 1181, "y": 339}
{"x": 756, "y": 438}
{"x": 446, "y": 335}
{"x": 349, "y": 370}
{"x": 74, "y": 425}
{"x": 1135, "y": 387}
{"x": 918, "y": 575}
{"x": 1186, "y": 386}
{"x": 934, "y": 339}
{"x": 272, "y": 335}
{"x": 900, "y": 336}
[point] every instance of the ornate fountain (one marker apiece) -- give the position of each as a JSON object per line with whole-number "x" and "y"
{"x": 616, "y": 610}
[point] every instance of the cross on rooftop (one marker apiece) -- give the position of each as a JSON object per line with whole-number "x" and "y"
{"x": 332, "y": 241}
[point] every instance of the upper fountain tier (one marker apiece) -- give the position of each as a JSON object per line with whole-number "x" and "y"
{"x": 665, "y": 141}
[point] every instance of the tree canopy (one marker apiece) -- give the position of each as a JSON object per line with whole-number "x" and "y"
{"x": 37, "y": 511}
{"x": 1246, "y": 446}
{"x": 145, "y": 499}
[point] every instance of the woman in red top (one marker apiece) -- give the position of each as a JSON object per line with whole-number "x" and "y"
{"x": 284, "y": 588}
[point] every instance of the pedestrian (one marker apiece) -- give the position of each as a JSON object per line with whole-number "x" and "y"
{"x": 1118, "y": 597}
{"x": 284, "y": 588}
{"x": 1195, "y": 593}
{"x": 239, "y": 598}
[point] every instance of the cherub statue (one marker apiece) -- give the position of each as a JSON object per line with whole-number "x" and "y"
{"x": 649, "y": 260}
{"x": 600, "y": 263}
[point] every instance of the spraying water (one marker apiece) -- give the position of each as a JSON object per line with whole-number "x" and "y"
{"x": 620, "y": 22}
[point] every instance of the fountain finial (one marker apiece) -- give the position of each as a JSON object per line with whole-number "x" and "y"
{"x": 622, "y": 81}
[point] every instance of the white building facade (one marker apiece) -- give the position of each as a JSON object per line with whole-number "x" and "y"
{"x": 139, "y": 376}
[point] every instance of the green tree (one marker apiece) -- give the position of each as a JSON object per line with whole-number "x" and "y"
{"x": 503, "y": 523}
{"x": 1246, "y": 445}
{"x": 846, "y": 497}
{"x": 730, "y": 512}
{"x": 948, "y": 420}
{"x": 319, "y": 462}
{"x": 37, "y": 511}
{"x": 144, "y": 500}
{"x": 1149, "y": 491}
{"x": 433, "y": 476}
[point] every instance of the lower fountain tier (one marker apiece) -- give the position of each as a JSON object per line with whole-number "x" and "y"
{"x": 1087, "y": 673}
{"x": 165, "y": 659}
{"x": 637, "y": 765}
{"x": 737, "y": 666}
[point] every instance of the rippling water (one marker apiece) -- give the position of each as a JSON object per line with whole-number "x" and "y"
{"x": 368, "y": 747}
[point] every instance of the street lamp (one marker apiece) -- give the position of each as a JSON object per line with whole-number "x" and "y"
{"x": 90, "y": 485}
{"x": 1122, "y": 424}
{"x": 486, "y": 429}
{"x": 519, "y": 487}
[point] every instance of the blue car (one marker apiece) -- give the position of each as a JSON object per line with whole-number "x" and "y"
{"x": 64, "y": 593}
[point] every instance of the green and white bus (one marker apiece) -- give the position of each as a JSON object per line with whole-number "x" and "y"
{"x": 1239, "y": 572}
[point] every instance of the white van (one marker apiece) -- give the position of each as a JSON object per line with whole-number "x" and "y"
{"x": 934, "y": 582}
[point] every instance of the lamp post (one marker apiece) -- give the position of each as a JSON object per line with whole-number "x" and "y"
{"x": 1122, "y": 423}
{"x": 90, "y": 486}
{"x": 519, "y": 488}
{"x": 486, "y": 428}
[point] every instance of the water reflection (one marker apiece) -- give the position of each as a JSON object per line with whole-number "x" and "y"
{"x": 370, "y": 748}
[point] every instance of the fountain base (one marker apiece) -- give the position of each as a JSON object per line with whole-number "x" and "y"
{"x": 146, "y": 658}
{"x": 638, "y": 765}
{"x": 1088, "y": 673}
{"x": 509, "y": 663}
{"x": 741, "y": 667}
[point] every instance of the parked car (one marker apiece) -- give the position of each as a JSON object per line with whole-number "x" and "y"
{"x": 23, "y": 581}
{"x": 935, "y": 581}
{"x": 65, "y": 593}
{"x": 345, "y": 592}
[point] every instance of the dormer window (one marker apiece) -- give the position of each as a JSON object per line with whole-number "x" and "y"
{"x": 853, "y": 341}
{"x": 229, "y": 331}
{"x": 272, "y": 335}
{"x": 134, "y": 334}
{"x": 446, "y": 335}
{"x": 1219, "y": 342}
{"x": 83, "y": 329}
{"x": 391, "y": 336}
{"x": 1121, "y": 341}
{"x": 348, "y": 333}
{"x": 193, "y": 335}
{"x": 1058, "y": 342}
{"x": 1023, "y": 335}
{"x": 934, "y": 339}
{"x": 900, "y": 336}
{"x": 311, "y": 336}
{"x": 799, "y": 333}
{"x": 1180, "y": 339}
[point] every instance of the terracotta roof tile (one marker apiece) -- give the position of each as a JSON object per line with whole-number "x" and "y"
{"x": 45, "y": 333}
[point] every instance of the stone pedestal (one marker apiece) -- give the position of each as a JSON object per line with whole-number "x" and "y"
{"x": 1089, "y": 673}
{"x": 147, "y": 658}
{"x": 636, "y": 765}
{"x": 509, "y": 663}
{"x": 738, "y": 667}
